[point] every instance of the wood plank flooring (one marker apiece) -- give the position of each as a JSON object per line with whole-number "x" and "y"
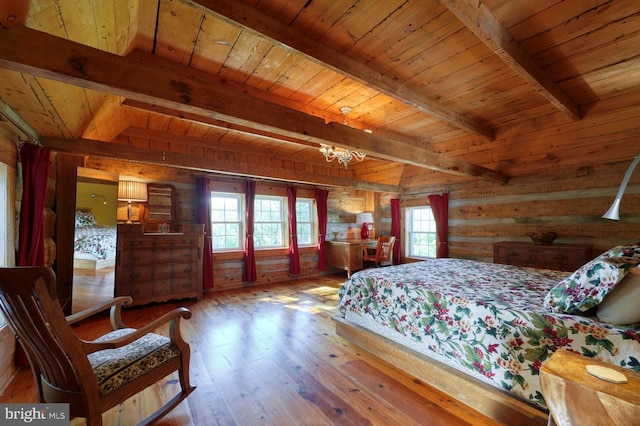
{"x": 269, "y": 355}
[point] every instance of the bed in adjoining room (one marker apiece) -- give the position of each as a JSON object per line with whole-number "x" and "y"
{"x": 94, "y": 245}
{"x": 481, "y": 331}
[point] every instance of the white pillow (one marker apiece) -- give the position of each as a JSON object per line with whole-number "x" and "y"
{"x": 621, "y": 305}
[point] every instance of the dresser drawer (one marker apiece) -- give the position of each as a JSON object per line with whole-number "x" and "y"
{"x": 561, "y": 257}
{"x": 157, "y": 256}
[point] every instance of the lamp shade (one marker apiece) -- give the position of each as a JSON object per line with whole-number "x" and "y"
{"x": 132, "y": 191}
{"x": 365, "y": 217}
{"x": 614, "y": 211}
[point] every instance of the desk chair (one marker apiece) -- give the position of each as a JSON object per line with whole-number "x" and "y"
{"x": 382, "y": 254}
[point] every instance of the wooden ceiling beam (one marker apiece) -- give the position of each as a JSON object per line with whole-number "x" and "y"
{"x": 479, "y": 19}
{"x": 240, "y": 13}
{"x": 188, "y": 90}
{"x": 257, "y": 168}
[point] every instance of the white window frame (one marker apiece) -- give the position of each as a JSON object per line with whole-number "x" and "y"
{"x": 312, "y": 223}
{"x": 282, "y": 223}
{"x": 417, "y": 228}
{"x": 239, "y": 199}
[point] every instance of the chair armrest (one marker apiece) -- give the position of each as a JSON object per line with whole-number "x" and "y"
{"x": 173, "y": 317}
{"x": 79, "y": 316}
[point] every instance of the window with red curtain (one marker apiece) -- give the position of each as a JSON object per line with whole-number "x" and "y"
{"x": 396, "y": 229}
{"x": 321, "y": 196}
{"x": 203, "y": 210}
{"x": 250, "y": 272}
{"x": 440, "y": 208}
{"x": 294, "y": 255}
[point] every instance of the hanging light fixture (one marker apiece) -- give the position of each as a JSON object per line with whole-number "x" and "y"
{"x": 344, "y": 156}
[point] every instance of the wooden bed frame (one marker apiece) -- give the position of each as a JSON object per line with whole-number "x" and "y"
{"x": 93, "y": 264}
{"x": 495, "y": 403}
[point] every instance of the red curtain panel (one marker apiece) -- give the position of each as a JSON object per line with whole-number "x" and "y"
{"x": 294, "y": 255}
{"x": 250, "y": 273}
{"x": 395, "y": 229}
{"x": 321, "y": 196}
{"x": 35, "y": 171}
{"x": 203, "y": 210}
{"x": 440, "y": 207}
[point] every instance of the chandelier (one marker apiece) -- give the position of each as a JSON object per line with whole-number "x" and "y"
{"x": 344, "y": 156}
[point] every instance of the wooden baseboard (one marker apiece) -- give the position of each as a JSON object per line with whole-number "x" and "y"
{"x": 490, "y": 401}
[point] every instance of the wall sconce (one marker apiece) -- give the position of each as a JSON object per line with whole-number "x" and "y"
{"x": 364, "y": 218}
{"x": 132, "y": 191}
{"x": 94, "y": 195}
{"x": 614, "y": 211}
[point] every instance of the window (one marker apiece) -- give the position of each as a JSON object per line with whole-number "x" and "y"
{"x": 270, "y": 226}
{"x": 226, "y": 221}
{"x": 269, "y": 222}
{"x": 304, "y": 220}
{"x": 421, "y": 232}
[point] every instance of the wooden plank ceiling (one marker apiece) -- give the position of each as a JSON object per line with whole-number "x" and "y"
{"x": 437, "y": 87}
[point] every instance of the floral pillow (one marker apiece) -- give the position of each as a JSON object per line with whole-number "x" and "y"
{"x": 588, "y": 286}
{"x": 85, "y": 218}
{"x": 629, "y": 250}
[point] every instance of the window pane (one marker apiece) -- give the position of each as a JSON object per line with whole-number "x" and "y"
{"x": 421, "y": 232}
{"x": 225, "y": 221}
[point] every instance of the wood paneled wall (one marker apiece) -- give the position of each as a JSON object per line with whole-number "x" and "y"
{"x": 569, "y": 201}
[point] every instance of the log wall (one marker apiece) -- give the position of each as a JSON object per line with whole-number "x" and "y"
{"x": 569, "y": 201}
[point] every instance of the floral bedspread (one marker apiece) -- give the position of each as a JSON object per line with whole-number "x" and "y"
{"x": 486, "y": 320}
{"x": 99, "y": 240}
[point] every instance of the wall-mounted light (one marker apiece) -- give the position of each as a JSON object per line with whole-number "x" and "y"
{"x": 132, "y": 191}
{"x": 614, "y": 211}
{"x": 94, "y": 195}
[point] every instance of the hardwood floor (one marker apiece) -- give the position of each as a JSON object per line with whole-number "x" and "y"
{"x": 270, "y": 356}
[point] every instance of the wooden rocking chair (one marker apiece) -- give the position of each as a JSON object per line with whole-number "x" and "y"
{"x": 383, "y": 253}
{"x": 92, "y": 376}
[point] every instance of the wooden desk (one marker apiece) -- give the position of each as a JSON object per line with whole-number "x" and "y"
{"x": 347, "y": 254}
{"x": 575, "y": 397}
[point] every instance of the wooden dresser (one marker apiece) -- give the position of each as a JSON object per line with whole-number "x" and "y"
{"x": 561, "y": 257}
{"x": 347, "y": 254}
{"x": 156, "y": 267}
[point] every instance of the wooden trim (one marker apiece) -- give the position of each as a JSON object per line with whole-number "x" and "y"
{"x": 7, "y": 349}
{"x": 493, "y": 402}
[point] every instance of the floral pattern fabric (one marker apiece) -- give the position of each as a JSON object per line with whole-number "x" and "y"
{"x": 85, "y": 218}
{"x": 486, "y": 320}
{"x": 115, "y": 368}
{"x": 99, "y": 241}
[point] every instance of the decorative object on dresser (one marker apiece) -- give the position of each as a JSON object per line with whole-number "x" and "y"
{"x": 157, "y": 267}
{"x": 561, "y": 257}
{"x": 542, "y": 238}
{"x": 575, "y": 396}
{"x": 161, "y": 208}
{"x": 365, "y": 219}
{"x": 131, "y": 191}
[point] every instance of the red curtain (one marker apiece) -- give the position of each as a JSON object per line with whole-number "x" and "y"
{"x": 203, "y": 210}
{"x": 294, "y": 255}
{"x": 440, "y": 208}
{"x": 250, "y": 273}
{"x": 321, "y": 196}
{"x": 396, "y": 229}
{"x": 35, "y": 172}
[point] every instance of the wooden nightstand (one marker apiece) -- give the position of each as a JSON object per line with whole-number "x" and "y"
{"x": 575, "y": 397}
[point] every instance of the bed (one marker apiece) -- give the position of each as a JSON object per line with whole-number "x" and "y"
{"x": 94, "y": 245}
{"x": 481, "y": 331}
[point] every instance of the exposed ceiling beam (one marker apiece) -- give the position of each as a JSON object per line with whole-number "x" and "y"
{"x": 250, "y": 18}
{"x": 479, "y": 19}
{"x": 189, "y": 90}
{"x": 256, "y": 169}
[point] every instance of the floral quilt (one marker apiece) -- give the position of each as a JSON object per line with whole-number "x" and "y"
{"x": 99, "y": 240}
{"x": 486, "y": 320}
